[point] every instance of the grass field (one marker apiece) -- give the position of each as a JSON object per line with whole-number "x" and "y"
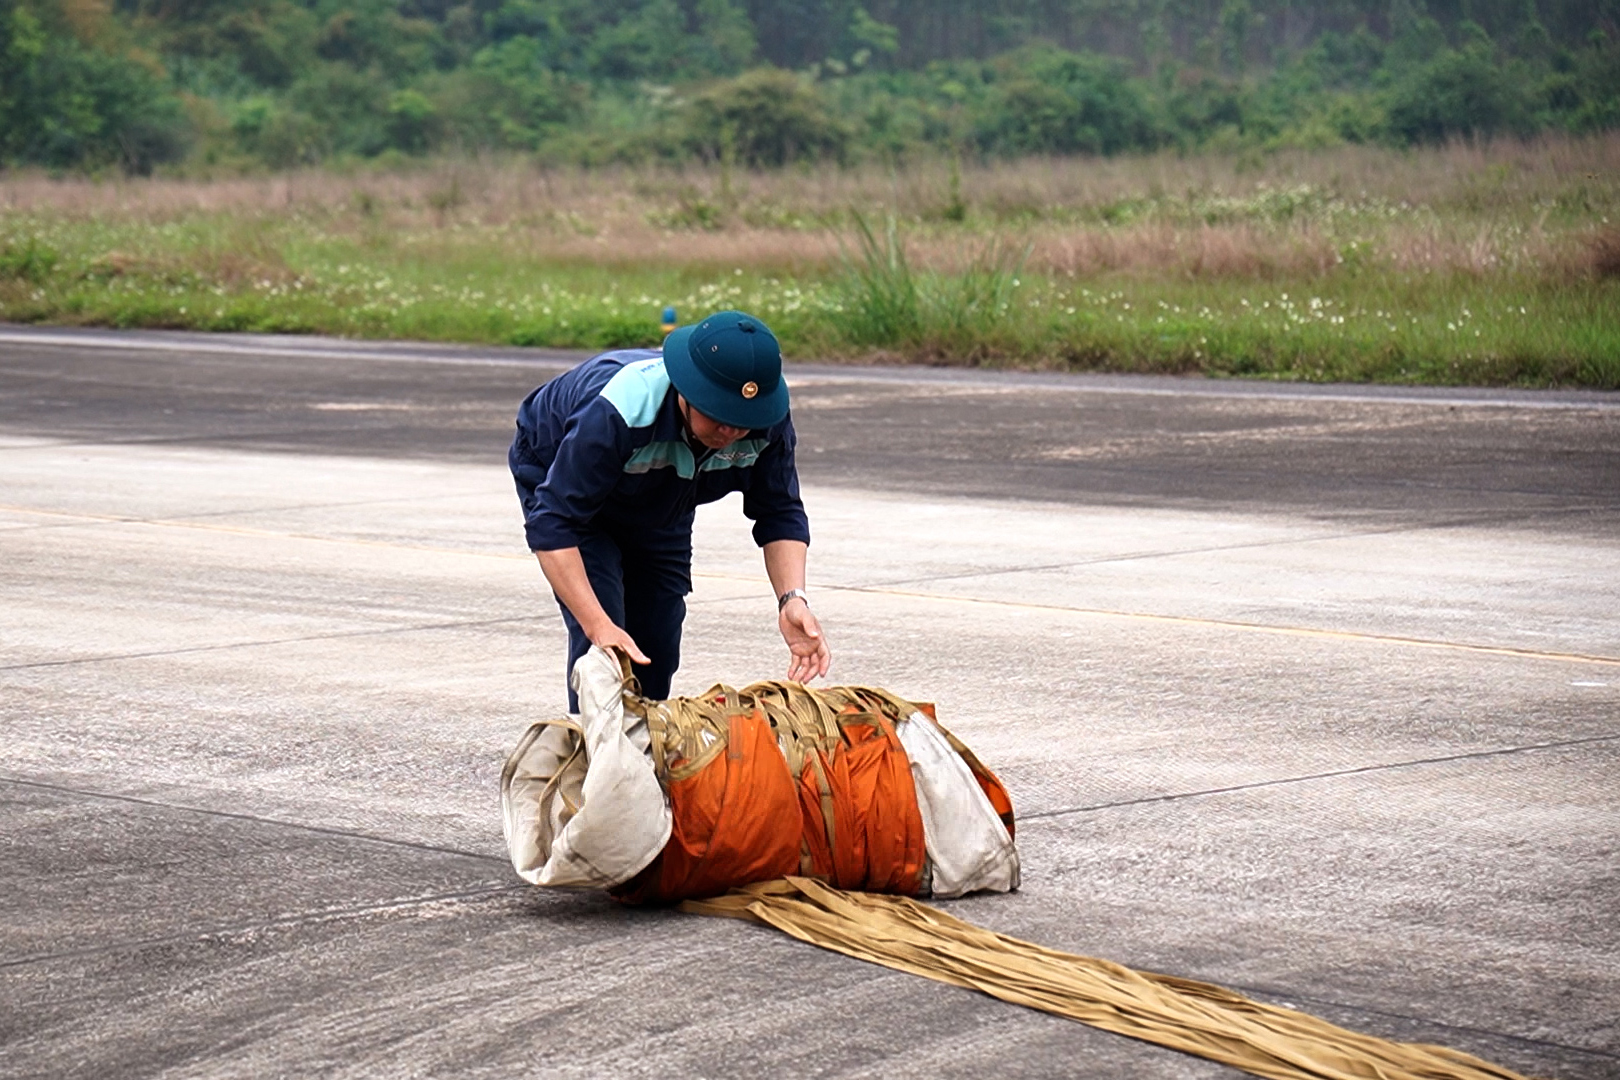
{"x": 1489, "y": 264}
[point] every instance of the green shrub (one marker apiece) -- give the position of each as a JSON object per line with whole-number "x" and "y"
{"x": 506, "y": 97}
{"x": 281, "y": 137}
{"x": 765, "y": 117}
{"x": 412, "y": 121}
{"x": 1064, "y": 103}
{"x": 65, "y": 105}
{"x": 1466, "y": 92}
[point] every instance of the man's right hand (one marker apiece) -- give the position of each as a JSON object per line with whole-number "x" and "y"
{"x": 565, "y": 570}
{"x": 609, "y": 636}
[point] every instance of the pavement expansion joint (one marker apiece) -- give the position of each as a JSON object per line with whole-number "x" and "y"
{"x": 1280, "y": 781}
{"x": 257, "y": 819}
{"x": 282, "y": 508}
{"x": 302, "y": 918}
{"x": 35, "y": 443}
{"x": 81, "y": 518}
{"x": 1136, "y": 556}
{"x": 468, "y": 624}
{"x": 1236, "y": 624}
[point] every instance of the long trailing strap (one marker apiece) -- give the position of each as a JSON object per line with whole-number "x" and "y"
{"x": 1194, "y": 1017}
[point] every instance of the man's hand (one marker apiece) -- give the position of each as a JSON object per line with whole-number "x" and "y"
{"x": 802, "y": 632}
{"x": 565, "y": 569}
{"x": 609, "y": 635}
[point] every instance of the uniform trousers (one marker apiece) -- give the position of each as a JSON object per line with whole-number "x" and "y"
{"x": 641, "y": 578}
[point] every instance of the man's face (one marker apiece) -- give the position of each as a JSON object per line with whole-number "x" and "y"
{"x": 711, "y": 433}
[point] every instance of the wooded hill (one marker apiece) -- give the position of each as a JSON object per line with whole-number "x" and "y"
{"x": 211, "y": 84}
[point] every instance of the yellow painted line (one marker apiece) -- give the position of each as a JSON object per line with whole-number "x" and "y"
{"x": 908, "y": 594}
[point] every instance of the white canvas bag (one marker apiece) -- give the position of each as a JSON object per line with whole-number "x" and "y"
{"x": 581, "y": 805}
{"x": 968, "y": 846}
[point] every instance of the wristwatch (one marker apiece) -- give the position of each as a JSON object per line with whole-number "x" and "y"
{"x": 782, "y": 601}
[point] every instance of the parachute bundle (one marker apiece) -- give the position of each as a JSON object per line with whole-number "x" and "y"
{"x": 661, "y": 801}
{"x": 821, "y": 813}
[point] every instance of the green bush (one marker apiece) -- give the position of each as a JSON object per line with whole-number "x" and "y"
{"x": 764, "y": 118}
{"x": 281, "y": 137}
{"x": 66, "y": 105}
{"x": 1594, "y": 104}
{"x": 412, "y": 121}
{"x": 1466, "y": 92}
{"x": 506, "y": 97}
{"x": 1064, "y": 103}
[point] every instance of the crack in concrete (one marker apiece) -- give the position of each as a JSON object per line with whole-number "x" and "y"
{"x": 1045, "y": 815}
{"x": 1283, "y": 996}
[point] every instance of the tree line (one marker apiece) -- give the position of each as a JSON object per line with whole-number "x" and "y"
{"x": 137, "y": 84}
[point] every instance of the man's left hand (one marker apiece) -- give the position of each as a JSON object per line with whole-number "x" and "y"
{"x": 802, "y": 632}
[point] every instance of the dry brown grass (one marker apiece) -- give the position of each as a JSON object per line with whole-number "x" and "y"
{"x": 1468, "y": 207}
{"x": 1603, "y": 252}
{"x": 499, "y": 190}
{"x": 1191, "y": 251}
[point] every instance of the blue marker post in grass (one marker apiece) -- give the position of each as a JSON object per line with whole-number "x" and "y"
{"x": 669, "y": 321}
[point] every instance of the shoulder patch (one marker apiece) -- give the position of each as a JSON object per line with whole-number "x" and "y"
{"x": 739, "y": 455}
{"x": 638, "y": 390}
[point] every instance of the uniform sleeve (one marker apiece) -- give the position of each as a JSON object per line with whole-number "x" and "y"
{"x": 588, "y": 464}
{"x": 772, "y": 499}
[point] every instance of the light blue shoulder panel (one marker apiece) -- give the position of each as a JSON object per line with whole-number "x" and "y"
{"x": 638, "y": 390}
{"x": 664, "y": 455}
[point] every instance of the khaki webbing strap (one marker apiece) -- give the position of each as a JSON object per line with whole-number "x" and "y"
{"x": 1193, "y": 1017}
{"x": 829, "y": 815}
{"x": 552, "y": 782}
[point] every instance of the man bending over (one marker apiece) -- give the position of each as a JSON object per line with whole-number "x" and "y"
{"x": 611, "y": 461}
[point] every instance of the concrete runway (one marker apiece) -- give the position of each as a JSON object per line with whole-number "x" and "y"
{"x": 1310, "y": 691}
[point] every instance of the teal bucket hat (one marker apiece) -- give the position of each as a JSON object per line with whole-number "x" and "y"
{"x": 729, "y": 368}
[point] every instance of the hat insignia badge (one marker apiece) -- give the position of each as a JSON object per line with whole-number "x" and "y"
{"x": 750, "y": 389}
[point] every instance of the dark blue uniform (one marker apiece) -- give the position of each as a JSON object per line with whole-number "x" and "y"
{"x": 602, "y": 463}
